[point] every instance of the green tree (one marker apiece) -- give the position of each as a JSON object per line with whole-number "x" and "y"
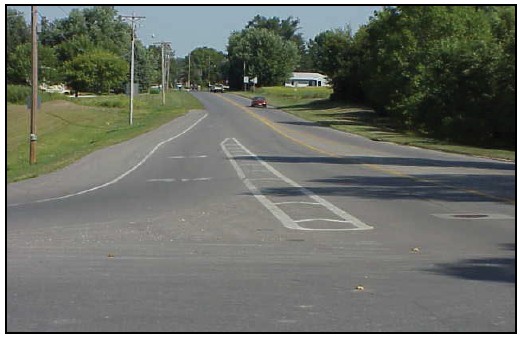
{"x": 447, "y": 71}
{"x": 17, "y": 37}
{"x": 287, "y": 29}
{"x": 328, "y": 50}
{"x": 98, "y": 71}
{"x": 266, "y": 55}
{"x": 17, "y": 31}
{"x": 84, "y": 29}
{"x": 207, "y": 65}
{"x": 19, "y": 67}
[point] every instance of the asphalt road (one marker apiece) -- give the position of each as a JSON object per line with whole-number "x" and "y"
{"x": 248, "y": 219}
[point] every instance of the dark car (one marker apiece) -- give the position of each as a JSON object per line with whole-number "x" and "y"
{"x": 259, "y": 101}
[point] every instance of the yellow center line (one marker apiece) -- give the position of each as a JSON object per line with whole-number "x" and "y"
{"x": 284, "y": 132}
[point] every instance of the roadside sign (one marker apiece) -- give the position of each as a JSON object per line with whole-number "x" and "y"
{"x": 255, "y": 80}
{"x": 28, "y": 102}
{"x": 246, "y": 79}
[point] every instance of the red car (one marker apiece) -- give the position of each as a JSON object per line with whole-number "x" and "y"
{"x": 259, "y": 101}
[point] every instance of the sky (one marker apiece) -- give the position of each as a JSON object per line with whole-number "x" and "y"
{"x": 189, "y": 27}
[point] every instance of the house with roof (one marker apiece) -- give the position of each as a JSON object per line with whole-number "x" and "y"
{"x": 298, "y": 79}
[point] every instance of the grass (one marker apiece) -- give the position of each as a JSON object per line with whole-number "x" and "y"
{"x": 70, "y": 129}
{"x": 312, "y": 104}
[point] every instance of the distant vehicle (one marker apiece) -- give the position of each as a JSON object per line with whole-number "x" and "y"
{"x": 59, "y": 88}
{"x": 259, "y": 101}
{"x": 217, "y": 89}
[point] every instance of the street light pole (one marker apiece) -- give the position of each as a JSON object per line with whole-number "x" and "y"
{"x": 32, "y": 142}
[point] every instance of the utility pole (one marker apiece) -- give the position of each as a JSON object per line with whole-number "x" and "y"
{"x": 189, "y": 69}
{"x": 168, "y": 62}
{"x": 33, "y": 138}
{"x": 163, "y": 67}
{"x": 244, "y": 75}
{"x": 209, "y": 70}
{"x": 133, "y": 19}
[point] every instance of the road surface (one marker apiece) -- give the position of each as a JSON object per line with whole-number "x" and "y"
{"x": 239, "y": 219}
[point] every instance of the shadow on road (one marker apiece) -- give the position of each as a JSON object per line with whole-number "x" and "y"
{"x": 483, "y": 269}
{"x": 399, "y": 161}
{"x": 444, "y": 187}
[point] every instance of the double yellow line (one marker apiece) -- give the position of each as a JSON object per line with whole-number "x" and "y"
{"x": 283, "y": 132}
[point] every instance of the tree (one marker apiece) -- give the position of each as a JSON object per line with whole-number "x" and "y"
{"x": 446, "y": 71}
{"x": 98, "y": 71}
{"x": 18, "y": 69}
{"x": 207, "y": 66}
{"x": 84, "y": 29}
{"x": 328, "y": 50}
{"x": 17, "y": 32}
{"x": 287, "y": 30}
{"x": 266, "y": 55}
{"x": 18, "y": 37}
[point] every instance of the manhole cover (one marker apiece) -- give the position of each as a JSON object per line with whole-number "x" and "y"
{"x": 462, "y": 216}
{"x": 471, "y": 216}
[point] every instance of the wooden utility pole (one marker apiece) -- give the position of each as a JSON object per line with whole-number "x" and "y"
{"x": 34, "y": 99}
{"x": 133, "y": 19}
{"x": 164, "y": 45}
{"x": 189, "y": 70}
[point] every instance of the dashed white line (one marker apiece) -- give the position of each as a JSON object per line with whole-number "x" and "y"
{"x": 183, "y": 157}
{"x": 178, "y": 180}
{"x": 297, "y": 202}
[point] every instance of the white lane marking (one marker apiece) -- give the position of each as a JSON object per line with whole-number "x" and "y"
{"x": 123, "y": 175}
{"x": 297, "y": 202}
{"x": 322, "y": 219}
{"x": 264, "y": 179}
{"x": 178, "y": 180}
{"x": 346, "y": 216}
{"x": 276, "y": 211}
{"x": 202, "y": 179}
{"x": 182, "y": 157}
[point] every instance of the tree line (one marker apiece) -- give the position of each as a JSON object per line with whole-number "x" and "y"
{"x": 444, "y": 71}
{"x": 89, "y": 50}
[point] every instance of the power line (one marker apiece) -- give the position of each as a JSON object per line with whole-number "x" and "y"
{"x": 67, "y": 14}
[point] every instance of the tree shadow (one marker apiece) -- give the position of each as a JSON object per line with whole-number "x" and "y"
{"x": 399, "y": 188}
{"x": 379, "y": 160}
{"x": 445, "y": 187}
{"x": 502, "y": 269}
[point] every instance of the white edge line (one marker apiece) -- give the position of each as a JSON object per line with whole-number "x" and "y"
{"x": 120, "y": 177}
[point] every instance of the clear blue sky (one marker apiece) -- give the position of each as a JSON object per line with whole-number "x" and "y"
{"x": 189, "y": 27}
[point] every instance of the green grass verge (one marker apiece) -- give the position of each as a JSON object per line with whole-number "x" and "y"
{"x": 312, "y": 104}
{"x": 70, "y": 129}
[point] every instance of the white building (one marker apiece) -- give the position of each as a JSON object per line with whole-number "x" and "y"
{"x": 307, "y": 80}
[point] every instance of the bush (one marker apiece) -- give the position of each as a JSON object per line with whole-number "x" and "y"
{"x": 17, "y": 94}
